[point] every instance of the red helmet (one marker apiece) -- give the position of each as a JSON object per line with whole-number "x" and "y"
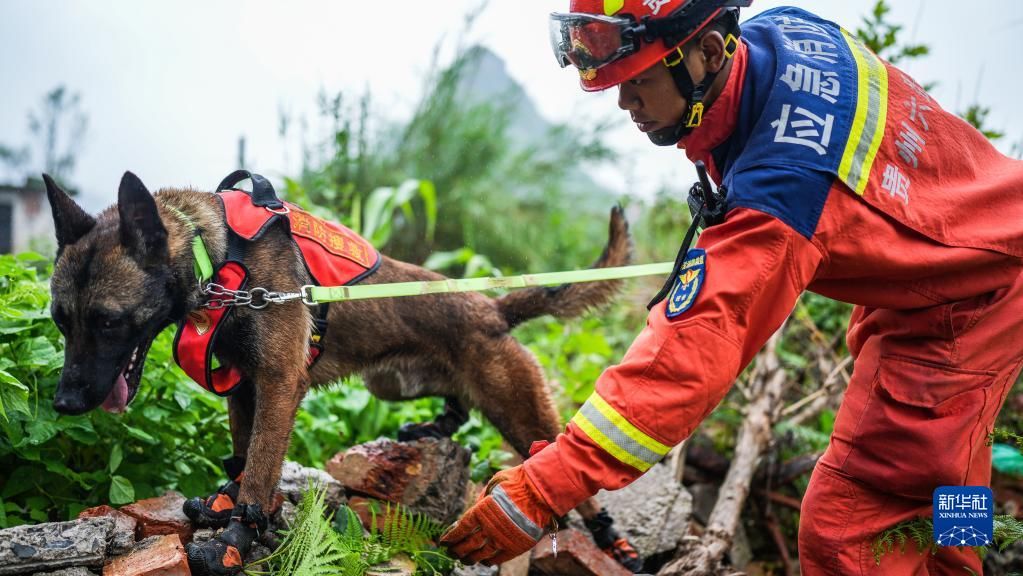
{"x": 611, "y": 41}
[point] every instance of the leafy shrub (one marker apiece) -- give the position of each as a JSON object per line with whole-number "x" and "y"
{"x": 52, "y": 466}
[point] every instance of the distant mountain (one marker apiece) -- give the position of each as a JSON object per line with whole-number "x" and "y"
{"x": 488, "y": 81}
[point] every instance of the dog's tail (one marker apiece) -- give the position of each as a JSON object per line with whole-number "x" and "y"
{"x": 570, "y": 300}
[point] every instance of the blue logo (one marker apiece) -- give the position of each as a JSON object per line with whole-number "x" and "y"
{"x": 687, "y": 285}
{"x": 964, "y": 516}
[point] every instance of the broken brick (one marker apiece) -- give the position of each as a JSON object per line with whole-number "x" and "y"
{"x": 156, "y": 556}
{"x": 160, "y": 516}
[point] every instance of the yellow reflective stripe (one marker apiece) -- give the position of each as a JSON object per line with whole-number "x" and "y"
{"x": 870, "y": 119}
{"x": 626, "y": 427}
{"x": 859, "y": 120}
{"x": 606, "y": 444}
{"x": 875, "y": 143}
{"x": 617, "y": 436}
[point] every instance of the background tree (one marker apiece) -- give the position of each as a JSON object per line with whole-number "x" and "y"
{"x": 57, "y": 127}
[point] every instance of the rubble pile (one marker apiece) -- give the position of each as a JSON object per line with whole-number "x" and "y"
{"x": 427, "y": 476}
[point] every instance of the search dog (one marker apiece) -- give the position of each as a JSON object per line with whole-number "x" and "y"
{"x": 123, "y": 276}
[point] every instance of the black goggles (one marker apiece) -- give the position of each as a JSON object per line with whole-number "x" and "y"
{"x": 590, "y": 41}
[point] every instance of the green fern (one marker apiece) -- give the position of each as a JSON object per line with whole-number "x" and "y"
{"x": 1008, "y": 531}
{"x": 318, "y": 545}
{"x": 410, "y": 533}
{"x": 312, "y": 547}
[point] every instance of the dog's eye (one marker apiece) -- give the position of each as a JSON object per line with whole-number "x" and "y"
{"x": 58, "y": 318}
{"x": 111, "y": 324}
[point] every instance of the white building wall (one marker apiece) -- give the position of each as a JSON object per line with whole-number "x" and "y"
{"x": 32, "y": 224}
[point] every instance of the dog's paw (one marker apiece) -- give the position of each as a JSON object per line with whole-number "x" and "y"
{"x": 213, "y": 512}
{"x": 213, "y": 558}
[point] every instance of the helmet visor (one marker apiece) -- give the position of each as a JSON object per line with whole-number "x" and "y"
{"x": 589, "y": 41}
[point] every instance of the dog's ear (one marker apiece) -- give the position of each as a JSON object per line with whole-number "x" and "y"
{"x": 142, "y": 231}
{"x": 69, "y": 220}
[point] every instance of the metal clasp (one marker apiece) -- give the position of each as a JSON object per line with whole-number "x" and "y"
{"x": 307, "y": 295}
{"x": 552, "y": 533}
{"x": 256, "y": 299}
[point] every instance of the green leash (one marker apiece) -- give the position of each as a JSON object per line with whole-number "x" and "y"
{"x": 259, "y": 298}
{"x": 313, "y": 295}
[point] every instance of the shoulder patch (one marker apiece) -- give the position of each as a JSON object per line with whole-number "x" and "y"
{"x": 688, "y": 283}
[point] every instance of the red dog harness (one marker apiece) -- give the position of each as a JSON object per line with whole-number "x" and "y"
{"x": 333, "y": 255}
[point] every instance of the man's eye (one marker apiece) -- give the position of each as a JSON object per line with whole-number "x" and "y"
{"x": 636, "y": 81}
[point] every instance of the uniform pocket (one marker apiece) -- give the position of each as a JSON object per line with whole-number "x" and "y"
{"x": 920, "y": 426}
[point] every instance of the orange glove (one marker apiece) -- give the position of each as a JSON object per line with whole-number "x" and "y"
{"x": 508, "y": 519}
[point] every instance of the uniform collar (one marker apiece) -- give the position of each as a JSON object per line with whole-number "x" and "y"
{"x": 720, "y": 120}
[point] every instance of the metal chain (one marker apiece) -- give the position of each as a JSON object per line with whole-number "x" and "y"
{"x": 257, "y": 298}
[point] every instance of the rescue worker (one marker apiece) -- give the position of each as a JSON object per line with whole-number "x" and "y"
{"x": 843, "y": 177}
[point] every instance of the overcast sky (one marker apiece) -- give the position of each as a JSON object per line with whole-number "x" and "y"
{"x": 170, "y": 86}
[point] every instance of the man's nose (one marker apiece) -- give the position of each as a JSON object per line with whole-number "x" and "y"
{"x": 627, "y": 99}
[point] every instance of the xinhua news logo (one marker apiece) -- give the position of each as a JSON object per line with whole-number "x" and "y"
{"x": 963, "y": 516}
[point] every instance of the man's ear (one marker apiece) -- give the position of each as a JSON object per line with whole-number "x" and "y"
{"x": 142, "y": 231}
{"x": 69, "y": 220}
{"x": 712, "y": 44}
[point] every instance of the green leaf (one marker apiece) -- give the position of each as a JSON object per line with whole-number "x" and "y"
{"x": 116, "y": 455}
{"x": 121, "y": 490}
{"x": 41, "y": 430}
{"x": 85, "y": 436}
{"x": 13, "y": 395}
{"x": 183, "y": 399}
{"x": 139, "y": 434}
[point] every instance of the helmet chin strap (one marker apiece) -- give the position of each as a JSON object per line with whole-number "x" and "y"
{"x": 669, "y": 136}
{"x": 692, "y": 92}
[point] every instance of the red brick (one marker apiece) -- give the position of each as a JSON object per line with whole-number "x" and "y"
{"x": 577, "y": 556}
{"x": 159, "y": 516}
{"x": 158, "y": 556}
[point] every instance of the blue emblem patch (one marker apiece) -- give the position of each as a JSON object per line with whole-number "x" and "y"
{"x": 688, "y": 284}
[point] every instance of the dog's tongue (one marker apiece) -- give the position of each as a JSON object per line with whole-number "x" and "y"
{"x": 117, "y": 401}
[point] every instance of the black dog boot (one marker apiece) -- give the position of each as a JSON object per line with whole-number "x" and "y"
{"x": 225, "y": 554}
{"x": 613, "y": 544}
{"x": 215, "y": 510}
{"x": 444, "y": 426}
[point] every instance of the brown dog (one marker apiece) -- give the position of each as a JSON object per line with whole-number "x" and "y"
{"x": 124, "y": 276}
